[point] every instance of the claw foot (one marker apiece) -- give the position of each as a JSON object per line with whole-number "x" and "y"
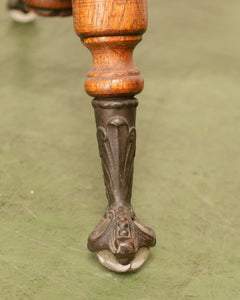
{"x": 121, "y": 241}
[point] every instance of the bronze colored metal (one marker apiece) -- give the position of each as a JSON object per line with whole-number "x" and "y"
{"x": 120, "y": 231}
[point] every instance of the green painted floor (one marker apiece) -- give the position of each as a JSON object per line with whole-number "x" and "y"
{"x": 187, "y": 171}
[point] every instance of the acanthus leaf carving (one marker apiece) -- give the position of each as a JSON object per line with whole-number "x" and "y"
{"x": 117, "y": 146}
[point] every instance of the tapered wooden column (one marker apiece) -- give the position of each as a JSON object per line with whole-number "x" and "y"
{"x": 111, "y": 29}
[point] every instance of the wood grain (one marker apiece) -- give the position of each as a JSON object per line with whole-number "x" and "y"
{"x": 109, "y": 17}
{"x": 111, "y": 29}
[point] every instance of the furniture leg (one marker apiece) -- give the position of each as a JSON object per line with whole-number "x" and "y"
{"x": 111, "y": 29}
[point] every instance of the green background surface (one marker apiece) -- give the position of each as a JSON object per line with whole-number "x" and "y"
{"x": 187, "y": 169}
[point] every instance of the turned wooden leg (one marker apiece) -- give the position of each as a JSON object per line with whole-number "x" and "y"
{"x": 111, "y": 29}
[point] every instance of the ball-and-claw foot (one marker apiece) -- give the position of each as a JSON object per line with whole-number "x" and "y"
{"x": 121, "y": 241}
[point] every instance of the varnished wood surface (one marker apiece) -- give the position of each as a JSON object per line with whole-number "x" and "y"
{"x": 50, "y": 7}
{"x": 113, "y": 73}
{"x": 54, "y": 4}
{"x": 111, "y": 30}
{"x": 109, "y": 17}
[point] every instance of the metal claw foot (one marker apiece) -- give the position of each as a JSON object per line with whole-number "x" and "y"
{"x": 120, "y": 239}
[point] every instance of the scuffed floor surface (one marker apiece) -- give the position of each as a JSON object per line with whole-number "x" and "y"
{"x": 187, "y": 172}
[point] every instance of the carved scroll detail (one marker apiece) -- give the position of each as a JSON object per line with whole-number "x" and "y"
{"x": 117, "y": 145}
